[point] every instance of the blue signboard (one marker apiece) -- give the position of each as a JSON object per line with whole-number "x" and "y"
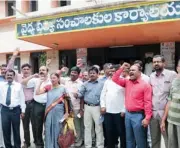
{"x": 104, "y": 18}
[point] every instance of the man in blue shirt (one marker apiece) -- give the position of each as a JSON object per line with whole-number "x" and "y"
{"x": 90, "y": 91}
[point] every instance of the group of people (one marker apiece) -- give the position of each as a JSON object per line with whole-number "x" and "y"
{"x": 124, "y": 103}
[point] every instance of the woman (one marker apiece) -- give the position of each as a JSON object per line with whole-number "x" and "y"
{"x": 53, "y": 115}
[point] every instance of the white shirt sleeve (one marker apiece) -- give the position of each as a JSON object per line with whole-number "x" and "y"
{"x": 22, "y": 100}
{"x": 32, "y": 83}
{"x": 103, "y": 95}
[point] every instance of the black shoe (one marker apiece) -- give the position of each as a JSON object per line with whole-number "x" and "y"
{"x": 93, "y": 143}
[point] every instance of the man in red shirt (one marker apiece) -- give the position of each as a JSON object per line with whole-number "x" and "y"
{"x": 138, "y": 104}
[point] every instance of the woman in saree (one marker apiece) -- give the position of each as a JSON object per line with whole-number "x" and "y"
{"x": 56, "y": 109}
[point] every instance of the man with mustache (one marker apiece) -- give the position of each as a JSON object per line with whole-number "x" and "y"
{"x": 4, "y": 68}
{"x": 138, "y": 104}
{"x": 90, "y": 92}
{"x": 72, "y": 85}
{"x": 112, "y": 106}
{"x": 13, "y": 106}
{"x": 39, "y": 103}
{"x": 161, "y": 81}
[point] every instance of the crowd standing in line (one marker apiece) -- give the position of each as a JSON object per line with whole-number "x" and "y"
{"x": 124, "y": 104}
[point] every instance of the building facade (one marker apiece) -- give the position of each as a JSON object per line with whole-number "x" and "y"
{"x": 98, "y": 30}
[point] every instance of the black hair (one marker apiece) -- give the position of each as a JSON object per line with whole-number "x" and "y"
{"x": 26, "y": 65}
{"x": 10, "y": 70}
{"x": 93, "y": 68}
{"x": 140, "y": 67}
{"x": 115, "y": 66}
{"x": 107, "y": 65}
{"x": 77, "y": 69}
{"x": 55, "y": 75}
{"x": 4, "y": 65}
{"x": 160, "y": 56}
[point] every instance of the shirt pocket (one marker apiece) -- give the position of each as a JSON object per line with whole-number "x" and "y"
{"x": 167, "y": 86}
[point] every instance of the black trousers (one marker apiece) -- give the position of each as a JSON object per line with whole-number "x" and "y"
{"x": 11, "y": 117}
{"x": 38, "y": 117}
{"x": 115, "y": 126}
{"x": 26, "y": 122}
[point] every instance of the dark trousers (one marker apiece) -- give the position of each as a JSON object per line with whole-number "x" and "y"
{"x": 105, "y": 137}
{"x": 26, "y": 121}
{"x": 38, "y": 117}
{"x": 136, "y": 134}
{"x": 11, "y": 117}
{"x": 114, "y": 128}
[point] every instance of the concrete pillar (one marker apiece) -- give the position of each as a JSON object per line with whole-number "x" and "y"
{"x": 25, "y": 57}
{"x": 2, "y": 9}
{"x": 53, "y": 55}
{"x": 25, "y": 6}
{"x": 3, "y": 59}
{"x": 54, "y": 3}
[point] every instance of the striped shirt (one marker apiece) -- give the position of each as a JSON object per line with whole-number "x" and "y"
{"x": 174, "y": 108}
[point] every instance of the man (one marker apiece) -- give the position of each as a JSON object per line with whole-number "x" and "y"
{"x": 112, "y": 105}
{"x": 138, "y": 104}
{"x": 72, "y": 85}
{"x": 85, "y": 76}
{"x": 172, "y": 111}
{"x": 28, "y": 92}
{"x": 13, "y": 106}
{"x": 90, "y": 91}
{"x": 4, "y": 68}
{"x": 143, "y": 76}
{"x": 146, "y": 79}
{"x": 161, "y": 81}
{"x": 39, "y": 103}
{"x": 106, "y": 69}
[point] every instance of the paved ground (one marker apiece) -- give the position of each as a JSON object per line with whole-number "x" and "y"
{"x": 33, "y": 146}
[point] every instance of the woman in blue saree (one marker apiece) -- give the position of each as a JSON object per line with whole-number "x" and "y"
{"x": 56, "y": 110}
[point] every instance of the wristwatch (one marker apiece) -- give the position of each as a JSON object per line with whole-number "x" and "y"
{"x": 81, "y": 109}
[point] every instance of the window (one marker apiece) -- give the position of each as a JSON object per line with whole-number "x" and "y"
{"x": 64, "y": 3}
{"x": 9, "y": 10}
{"x": 33, "y": 5}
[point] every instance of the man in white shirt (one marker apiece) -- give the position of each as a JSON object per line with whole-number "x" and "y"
{"x": 113, "y": 108}
{"x": 39, "y": 103}
{"x": 13, "y": 107}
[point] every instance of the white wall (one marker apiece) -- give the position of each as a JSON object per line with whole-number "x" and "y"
{"x": 44, "y": 6}
{"x": 2, "y": 9}
{"x": 8, "y": 41}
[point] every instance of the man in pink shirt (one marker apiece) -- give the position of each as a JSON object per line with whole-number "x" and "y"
{"x": 138, "y": 104}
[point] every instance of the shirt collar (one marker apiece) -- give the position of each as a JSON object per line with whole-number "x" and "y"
{"x": 76, "y": 81}
{"x": 11, "y": 83}
{"x": 162, "y": 73}
{"x": 97, "y": 81}
{"x": 136, "y": 81}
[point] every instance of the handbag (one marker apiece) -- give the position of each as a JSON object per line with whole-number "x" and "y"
{"x": 67, "y": 138}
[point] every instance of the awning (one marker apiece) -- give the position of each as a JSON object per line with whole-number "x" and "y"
{"x": 125, "y": 24}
